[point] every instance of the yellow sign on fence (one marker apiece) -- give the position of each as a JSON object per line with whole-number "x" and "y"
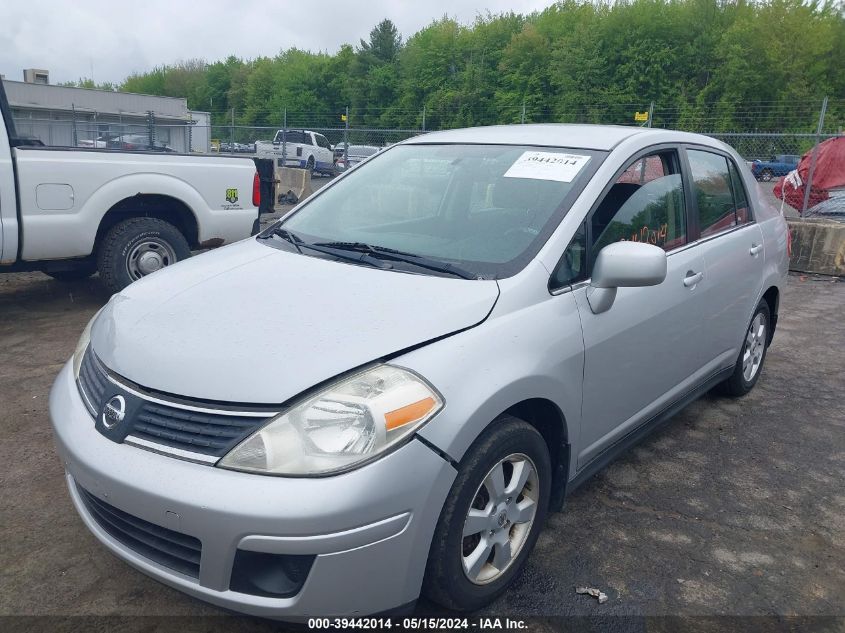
{"x": 640, "y": 116}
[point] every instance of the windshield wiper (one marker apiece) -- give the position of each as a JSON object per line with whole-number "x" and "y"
{"x": 293, "y": 238}
{"x": 384, "y": 252}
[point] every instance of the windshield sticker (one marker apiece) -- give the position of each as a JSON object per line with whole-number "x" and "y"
{"x": 547, "y": 166}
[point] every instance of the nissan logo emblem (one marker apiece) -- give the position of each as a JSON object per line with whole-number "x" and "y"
{"x": 113, "y": 412}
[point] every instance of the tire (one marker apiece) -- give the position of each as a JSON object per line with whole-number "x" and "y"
{"x": 77, "y": 273}
{"x": 766, "y": 175}
{"x": 756, "y": 343}
{"x": 446, "y": 580}
{"x": 310, "y": 165}
{"x": 120, "y": 254}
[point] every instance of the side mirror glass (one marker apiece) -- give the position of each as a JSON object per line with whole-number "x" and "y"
{"x": 624, "y": 265}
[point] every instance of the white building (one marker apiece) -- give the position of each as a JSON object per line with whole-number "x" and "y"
{"x": 59, "y": 115}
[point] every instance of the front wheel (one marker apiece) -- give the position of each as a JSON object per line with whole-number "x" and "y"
{"x": 310, "y": 165}
{"x": 766, "y": 175}
{"x": 750, "y": 362}
{"x": 137, "y": 247}
{"x": 491, "y": 518}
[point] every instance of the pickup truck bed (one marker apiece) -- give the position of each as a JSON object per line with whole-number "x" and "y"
{"x": 73, "y": 211}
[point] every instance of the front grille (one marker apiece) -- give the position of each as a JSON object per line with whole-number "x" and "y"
{"x": 186, "y": 425}
{"x": 207, "y": 433}
{"x": 168, "y": 548}
{"x": 92, "y": 382}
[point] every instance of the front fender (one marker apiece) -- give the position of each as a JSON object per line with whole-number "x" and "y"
{"x": 533, "y": 353}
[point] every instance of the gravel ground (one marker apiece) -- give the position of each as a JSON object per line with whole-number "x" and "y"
{"x": 736, "y": 507}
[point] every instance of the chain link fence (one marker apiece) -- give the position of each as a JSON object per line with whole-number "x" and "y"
{"x": 772, "y": 138}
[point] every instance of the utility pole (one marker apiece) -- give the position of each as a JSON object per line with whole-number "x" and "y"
{"x": 650, "y": 116}
{"x": 522, "y": 117}
{"x": 813, "y": 158}
{"x": 232, "y": 134}
{"x": 423, "y": 121}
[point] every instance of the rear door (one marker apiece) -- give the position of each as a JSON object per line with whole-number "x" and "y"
{"x": 646, "y": 349}
{"x": 732, "y": 244}
{"x": 323, "y": 153}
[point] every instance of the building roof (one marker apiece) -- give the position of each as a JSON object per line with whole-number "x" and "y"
{"x": 49, "y": 97}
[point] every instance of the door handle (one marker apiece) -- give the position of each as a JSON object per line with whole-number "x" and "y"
{"x": 692, "y": 278}
{"x": 755, "y": 249}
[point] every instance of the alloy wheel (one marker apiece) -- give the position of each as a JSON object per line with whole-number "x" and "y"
{"x": 755, "y": 345}
{"x": 500, "y": 518}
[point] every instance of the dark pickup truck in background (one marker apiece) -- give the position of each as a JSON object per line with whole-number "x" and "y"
{"x": 779, "y": 165}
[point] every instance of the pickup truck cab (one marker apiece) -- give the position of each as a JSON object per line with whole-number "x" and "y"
{"x": 299, "y": 148}
{"x": 71, "y": 212}
{"x": 779, "y": 165}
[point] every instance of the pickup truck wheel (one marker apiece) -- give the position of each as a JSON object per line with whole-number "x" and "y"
{"x": 749, "y": 365}
{"x": 310, "y": 165}
{"x": 491, "y": 518}
{"x": 137, "y": 247}
{"x": 766, "y": 175}
{"x": 82, "y": 271}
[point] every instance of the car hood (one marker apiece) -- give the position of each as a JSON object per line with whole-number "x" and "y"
{"x": 253, "y": 324}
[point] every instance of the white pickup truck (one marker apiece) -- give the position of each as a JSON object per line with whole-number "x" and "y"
{"x": 70, "y": 212}
{"x": 301, "y": 148}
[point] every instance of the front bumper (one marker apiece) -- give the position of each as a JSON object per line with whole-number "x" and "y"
{"x": 370, "y": 529}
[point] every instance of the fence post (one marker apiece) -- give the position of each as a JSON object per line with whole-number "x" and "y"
{"x": 423, "y": 121}
{"x": 650, "y": 115}
{"x": 346, "y": 139}
{"x": 232, "y": 134}
{"x": 74, "y": 139}
{"x": 285, "y": 138}
{"x": 522, "y": 117}
{"x": 190, "y": 134}
{"x": 151, "y": 130}
{"x": 808, "y": 185}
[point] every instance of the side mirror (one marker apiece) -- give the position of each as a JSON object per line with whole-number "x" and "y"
{"x": 624, "y": 265}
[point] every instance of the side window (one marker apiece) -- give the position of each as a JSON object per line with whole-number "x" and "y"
{"x": 573, "y": 265}
{"x": 292, "y": 136}
{"x": 650, "y": 209}
{"x": 712, "y": 188}
{"x": 743, "y": 214}
{"x": 322, "y": 141}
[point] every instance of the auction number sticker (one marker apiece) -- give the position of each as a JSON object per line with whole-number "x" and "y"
{"x": 547, "y": 166}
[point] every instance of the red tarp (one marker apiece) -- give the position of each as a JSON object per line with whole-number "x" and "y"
{"x": 828, "y": 174}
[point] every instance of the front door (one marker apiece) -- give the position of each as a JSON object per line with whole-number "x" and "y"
{"x": 646, "y": 350}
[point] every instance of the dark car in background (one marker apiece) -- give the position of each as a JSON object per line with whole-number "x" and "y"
{"x": 354, "y": 155}
{"x": 779, "y": 165}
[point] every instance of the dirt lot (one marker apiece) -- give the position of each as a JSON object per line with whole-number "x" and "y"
{"x": 733, "y": 508}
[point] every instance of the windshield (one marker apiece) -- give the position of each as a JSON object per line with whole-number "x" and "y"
{"x": 484, "y": 208}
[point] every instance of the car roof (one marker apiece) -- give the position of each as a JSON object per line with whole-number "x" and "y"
{"x": 598, "y": 137}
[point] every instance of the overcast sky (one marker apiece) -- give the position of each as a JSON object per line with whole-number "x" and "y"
{"x": 117, "y": 37}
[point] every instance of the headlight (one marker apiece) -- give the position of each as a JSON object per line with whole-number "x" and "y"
{"x": 346, "y": 424}
{"x": 82, "y": 345}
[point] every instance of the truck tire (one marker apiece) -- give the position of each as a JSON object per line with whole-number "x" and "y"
{"x": 310, "y": 165}
{"x": 137, "y": 247}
